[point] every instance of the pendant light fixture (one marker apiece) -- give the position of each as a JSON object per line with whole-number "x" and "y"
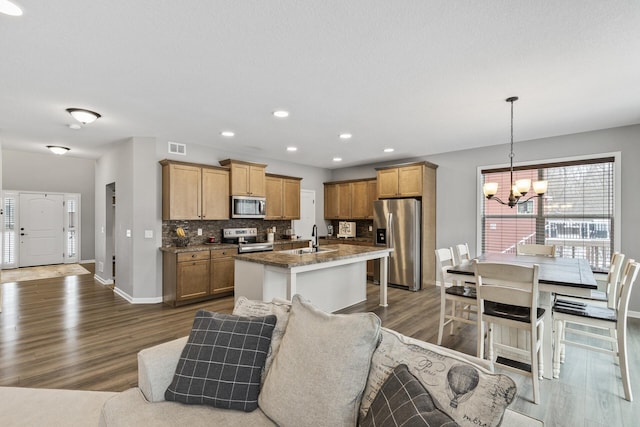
{"x": 83, "y": 116}
{"x": 520, "y": 187}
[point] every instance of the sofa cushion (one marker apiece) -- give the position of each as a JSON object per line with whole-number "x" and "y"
{"x": 279, "y": 308}
{"x": 222, "y": 361}
{"x": 467, "y": 392}
{"x": 131, "y": 409}
{"x": 318, "y": 375}
{"x": 403, "y": 401}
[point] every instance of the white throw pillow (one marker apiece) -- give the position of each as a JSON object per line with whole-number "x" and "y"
{"x": 318, "y": 375}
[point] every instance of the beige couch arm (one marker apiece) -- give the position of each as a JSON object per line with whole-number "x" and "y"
{"x": 156, "y": 367}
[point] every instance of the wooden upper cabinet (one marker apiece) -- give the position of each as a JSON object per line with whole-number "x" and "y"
{"x": 291, "y": 198}
{"x": 247, "y": 179}
{"x": 360, "y": 200}
{"x": 331, "y": 201}
{"x": 181, "y": 191}
{"x": 344, "y": 200}
{"x": 401, "y": 181}
{"x": 192, "y": 191}
{"x": 215, "y": 193}
{"x": 283, "y": 197}
{"x": 372, "y": 193}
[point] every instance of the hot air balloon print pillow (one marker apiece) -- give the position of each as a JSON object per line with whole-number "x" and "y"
{"x": 467, "y": 392}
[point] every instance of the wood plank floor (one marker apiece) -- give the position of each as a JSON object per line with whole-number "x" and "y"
{"x": 74, "y": 333}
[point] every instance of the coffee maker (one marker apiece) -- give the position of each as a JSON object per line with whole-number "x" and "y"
{"x": 330, "y": 230}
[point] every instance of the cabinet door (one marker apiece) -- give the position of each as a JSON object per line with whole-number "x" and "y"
{"x": 331, "y": 201}
{"x": 257, "y": 181}
{"x": 372, "y": 196}
{"x": 388, "y": 183}
{"x": 274, "y": 197}
{"x": 291, "y": 198}
{"x": 410, "y": 180}
{"x": 344, "y": 200}
{"x": 222, "y": 274}
{"x": 360, "y": 200}
{"x": 181, "y": 186}
{"x": 215, "y": 194}
{"x": 192, "y": 279}
{"x": 240, "y": 179}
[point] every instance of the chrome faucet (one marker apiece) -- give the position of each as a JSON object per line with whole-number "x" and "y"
{"x": 314, "y": 233}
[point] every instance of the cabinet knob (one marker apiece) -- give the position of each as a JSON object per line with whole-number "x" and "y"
{"x": 193, "y": 255}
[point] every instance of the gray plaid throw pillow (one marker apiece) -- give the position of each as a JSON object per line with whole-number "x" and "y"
{"x": 222, "y": 361}
{"x": 403, "y": 401}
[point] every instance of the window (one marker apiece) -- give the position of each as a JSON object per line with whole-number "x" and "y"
{"x": 576, "y": 214}
{"x": 9, "y": 231}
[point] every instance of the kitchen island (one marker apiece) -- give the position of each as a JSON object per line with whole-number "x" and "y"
{"x": 332, "y": 279}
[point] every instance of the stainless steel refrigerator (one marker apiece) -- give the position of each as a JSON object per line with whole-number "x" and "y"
{"x": 396, "y": 224}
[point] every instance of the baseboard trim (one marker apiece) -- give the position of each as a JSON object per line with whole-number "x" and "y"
{"x": 102, "y": 281}
{"x": 132, "y": 300}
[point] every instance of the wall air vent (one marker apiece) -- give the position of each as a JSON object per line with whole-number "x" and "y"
{"x": 177, "y": 148}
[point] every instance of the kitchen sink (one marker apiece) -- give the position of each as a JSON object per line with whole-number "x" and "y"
{"x": 304, "y": 251}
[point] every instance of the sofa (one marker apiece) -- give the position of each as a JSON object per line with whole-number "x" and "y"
{"x": 297, "y": 382}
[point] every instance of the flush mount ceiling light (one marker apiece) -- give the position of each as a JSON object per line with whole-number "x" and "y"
{"x": 58, "y": 149}
{"x": 292, "y": 148}
{"x": 345, "y": 136}
{"x": 389, "y": 150}
{"x": 83, "y": 116}
{"x": 518, "y": 188}
{"x": 227, "y": 133}
{"x": 281, "y": 114}
{"x": 9, "y": 8}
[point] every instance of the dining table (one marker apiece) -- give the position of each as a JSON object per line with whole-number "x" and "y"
{"x": 556, "y": 276}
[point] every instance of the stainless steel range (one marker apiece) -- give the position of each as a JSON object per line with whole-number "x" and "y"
{"x": 246, "y": 239}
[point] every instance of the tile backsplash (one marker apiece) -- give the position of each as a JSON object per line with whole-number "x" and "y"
{"x": 362, "y": 228}
{"x": 214, "y": 228}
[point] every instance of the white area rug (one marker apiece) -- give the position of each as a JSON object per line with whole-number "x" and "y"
{"x": 42, "y": 272}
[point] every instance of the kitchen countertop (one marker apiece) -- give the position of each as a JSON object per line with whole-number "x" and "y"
{"x": 339, "y": 240}
{"x": 284, "y": 260}
{"x": 214, "y": 246}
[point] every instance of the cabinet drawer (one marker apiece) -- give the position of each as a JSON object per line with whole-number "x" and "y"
{"x": 193, "y": 256}
{"x": 221, "y": 253}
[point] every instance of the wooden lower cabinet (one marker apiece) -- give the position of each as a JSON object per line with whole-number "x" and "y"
{"x": 189, "y": 277}
{"x": 222, "y": 271}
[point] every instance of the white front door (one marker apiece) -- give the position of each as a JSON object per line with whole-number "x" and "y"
{"x": 41, "y": 229}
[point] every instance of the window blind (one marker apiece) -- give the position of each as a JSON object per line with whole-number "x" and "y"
{"x": 576, "y": 214}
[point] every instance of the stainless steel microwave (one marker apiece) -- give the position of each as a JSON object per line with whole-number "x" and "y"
{"x": 248, "y": 207}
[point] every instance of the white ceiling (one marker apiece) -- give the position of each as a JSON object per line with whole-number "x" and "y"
{"x": 420, "y": 76}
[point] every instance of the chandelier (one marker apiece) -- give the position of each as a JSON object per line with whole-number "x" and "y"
{"x": 520, "y": 187}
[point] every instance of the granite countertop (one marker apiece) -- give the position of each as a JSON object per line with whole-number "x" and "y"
{"x": 346, "y": 240}
{"x": 213, "y": 246}
{"x": 285, "y": 260}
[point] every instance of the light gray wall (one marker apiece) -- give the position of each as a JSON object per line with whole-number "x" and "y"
{"x": 29, "y": 171}
{"x": 458, "y": 189}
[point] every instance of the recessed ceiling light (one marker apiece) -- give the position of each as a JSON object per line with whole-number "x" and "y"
{"x": 9, "y": 8}
{"x": 227, "y": 133}
{"x": 83, "y": 116}
{"x": 388, "y": 150}
{"x": 337, "y": 159}
{"x": 345, "y": 136}
{"x": 292, "y": 148}
{"x": 74, "y": 126}
{"x": 57, "y": 149}
{"x": 281, "y": 114}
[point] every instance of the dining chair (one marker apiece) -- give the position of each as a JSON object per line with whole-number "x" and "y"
{"x": 607, "y": 297}
{"x": 507, "y": 295}
{"x": 534, "y": 249}
{"x": 573, "y": 317}
{"x": 462, "y": 298}
{"x": 462, "y": 253}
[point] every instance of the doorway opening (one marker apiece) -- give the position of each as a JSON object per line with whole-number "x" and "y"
{"x": 109, "y": 269}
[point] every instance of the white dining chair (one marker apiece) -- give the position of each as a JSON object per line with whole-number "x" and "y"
{"x": 507, "y": 295}
{"x": 608, "y": 296}
{"x": 534, "y": 249}
{"x": 462, "y": 298}
{"x": 572, "y": 319}
{"x": 462, "y": 253}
